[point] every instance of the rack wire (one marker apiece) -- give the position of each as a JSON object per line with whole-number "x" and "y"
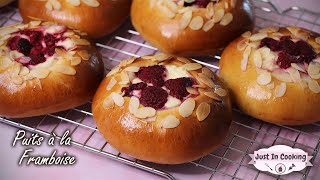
{"x": 230, "y": 160}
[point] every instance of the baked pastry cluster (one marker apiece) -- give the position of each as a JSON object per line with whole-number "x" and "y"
{"x": 97, "y": 18}
{"x": 45, "y": 68}
{"x": 162, "y": 109}
{"x": 274, "y": 74}
{"x": 197, "y": 27}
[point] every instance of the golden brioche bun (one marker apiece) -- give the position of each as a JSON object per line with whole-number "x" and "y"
{"x": 288, "y": 98}
{"x": 165, "y": 136}
{"x": 97, "y": 19}
{"x": 58, "y": 84}
{"x": 162, "y": 27}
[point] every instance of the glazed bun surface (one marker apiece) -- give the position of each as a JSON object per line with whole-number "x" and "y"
{"x": 274, "y": 74}
{"x": 192, "y": 30}
{"x": 45, "y": 68}
{"x": 97, "y": 18}
{"x": 155, "y": 109}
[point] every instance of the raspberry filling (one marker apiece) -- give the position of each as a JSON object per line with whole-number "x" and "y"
{"x": 199, "y": 3}
{"x": 35, "y": 45}
{"x": 154, "y": 90}
{"x": 289, "y": 51}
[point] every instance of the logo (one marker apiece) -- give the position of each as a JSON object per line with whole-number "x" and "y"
{"x": 280, "y": 159}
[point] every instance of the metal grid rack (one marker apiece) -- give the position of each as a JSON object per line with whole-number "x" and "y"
{"x": 230, "y": 160}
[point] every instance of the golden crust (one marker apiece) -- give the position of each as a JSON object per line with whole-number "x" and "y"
{"x": 95, "y": 21}
{"x": 166, "y": 34}
{"x": 299, "y": 105}
{"x": 56, "y": 91}
{"x": 150, "y": 141}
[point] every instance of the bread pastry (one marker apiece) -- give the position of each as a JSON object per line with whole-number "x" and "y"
{"x": 199, "y": 27}
{"x": 274, "y": 74}
{"x": 162, "y": 109}
{"x": 45, "y": 68}
{"x": 97, "y": 18}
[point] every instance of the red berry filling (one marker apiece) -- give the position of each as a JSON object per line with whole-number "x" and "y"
{"x": 289, "y": 51}
{"x": 153, "y": 96}
{"x": 199, "y": 3}
{"x": 178, "y": 87}
{"x": 152, "y": 74}
{"x": 35, "y": 44}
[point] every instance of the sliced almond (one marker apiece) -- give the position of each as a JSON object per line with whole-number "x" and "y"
{"x": 314, "y": 86}
{"x": 313, "y": 68}
{"x": 280, "y": 90}
{"x": 132, "y": 69}
{"x": 242, "y": 44}
{"x": 258, "y": 36}
{"x": 270, "y": 86}
{"x": 227, "y": 18}
{"x": 55, "y": 4}
{"x": 221, "y": 92}
{"x": 74, "y": 2}
{"x": 269, "y": 30}
{"x": 91, "y": 3}
{"x": 196, "y": 23}
{"x": 75, "y": 61}
{"x": 282, "y": 76}
{"x": 34, "y": 23}
{"x": 246, "y": 34}
{"x": 84, "y": 54}
{"x": 113, "y": 71}
{"x": 206, "y": 71}
{"x": 134, "y": 105}
{"x": 24, "y": 71}
{"x": 192, "y": 91}
{"x": 218, "y": 15}
{"x": 257, "y": 59}
{"x": 297, "y": 67}
{"x": 264, "y": 78}
{"x": 187, "y": 107}
{"x": 315, "y": 76}
{"x": 170, "y": 122}
{"x": 145, "y": 112}
{"x": 182, "y": 59}
{"x": 172, "y": 6}
{"x": 185, "y": 19}
{"x": 108, "y": 103}
{"x": 208, "y": 25}
{"x": 210, "y": 10}
{"x": 168, "y": 12}
{"x": 203, "y": 111}
{"x": 64, "y": 69}
{"x": 111, "y": 84}
{"x": 124, "y": 77}
{"x": 205, "y": 80}
{"x": 295, "y": 75}
{"x": 161, "y": 57}
{"x": 117, "y": 98}
{"x": 81, "y": 42}
{"x": 191, "y": 66}
{"x": 213, "y": 96}
{"x": 40, "y": 73}
{"x": 17, "y": 80}
{"x": 245, "y": 58}
{"x": 15, "y": 70}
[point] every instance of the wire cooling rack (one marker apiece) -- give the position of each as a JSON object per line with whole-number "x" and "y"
{"x": 230, "y": 160}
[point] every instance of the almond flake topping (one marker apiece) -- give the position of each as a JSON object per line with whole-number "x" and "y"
{"x": 221, "y": 92}
{"x": 205, "y": 80}
{"x": 74, "y": 2}
{"x": 40, "y": 73}
{"x": 185, "y": 19}
{"x": 313, "y": 68}
{"x": 113, "y": 71}
{"x": 246, "y": 34}
{"x": 282, "y": 76}
{"x": 84, "y": 54}
{"x": 264, "y": 78}
{"x": 182, "y": 59}
{"x": 111, "y": 84}
{"x": 118, "y": 99}
{"x": 257, "y": 59}
{"x": 206, "y": 71}
{"x": 91, "y": 3}
{"x": 134, "y": 105}
{"x": 124, "y": 77}
{"x": 145, "y": 112}
{"x": 64, "y": 69}
{"x": 314, "y": 86}
{"x": 75, "y": 61}
{"x": 17, "y": 80}
{"x": 187, "y": 107}
{"x": 208, "y": 25}
{"x": 203, "y": 111}
{"x": 192, "y": 91}
{"x": 213, "y": 96}
{"x": 280, "y": 90}
{"x": 245, "y": 58}
{"x": 242, "y": 44}
{"x": 170, "y": 122}
{"x": 258, "y": 36}
{"x": 227, "y": 18}
{"x": 196, "y": 23}
{"x": 132, "y": 69}
{"x": 191, "y": 66}
{"x": 297, "y": 67}
{"x": 108, "y": 103}
{"x": 269, "y": 30}
{"x": 218, "y": 15}
{"x": 210, "y": 10}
